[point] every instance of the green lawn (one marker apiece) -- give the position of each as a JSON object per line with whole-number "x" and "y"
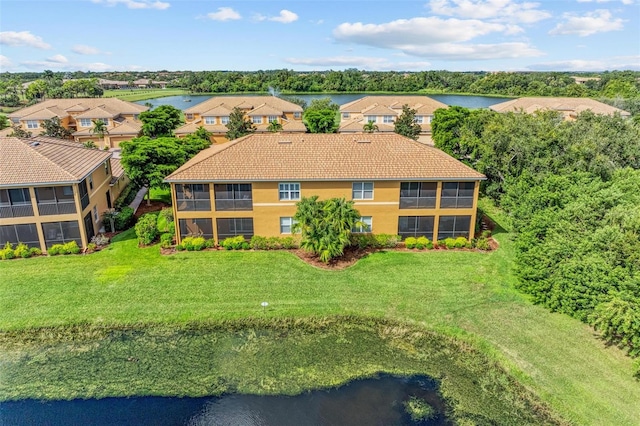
{"x": 465, "y": 294}
{"x": 133, "y": 95}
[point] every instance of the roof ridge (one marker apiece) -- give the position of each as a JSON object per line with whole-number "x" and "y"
{"x": 223, "y": 147}
{"x": 29, "y": 141}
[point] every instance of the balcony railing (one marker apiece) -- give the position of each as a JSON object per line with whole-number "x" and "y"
{"x": 48, "y": 209}
{"x": 19, "y": 210}
{"x": 234, "y": 205}
{"x": 194, "y": 205}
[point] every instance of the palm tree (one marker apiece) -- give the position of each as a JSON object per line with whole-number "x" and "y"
{"x": 370, "y": 127}
{"x": 274, "y": 127}
{"x": 99, "y": 129}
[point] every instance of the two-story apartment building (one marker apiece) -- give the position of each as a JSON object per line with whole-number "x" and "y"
{"x": 213, "y": 115}
{"x": 568, "y": 107}
{"x": 383, "y": 111}
{"x": 79, "y": 114}
{"x": 53, "y": 191}
{"x": 250, "y": 186}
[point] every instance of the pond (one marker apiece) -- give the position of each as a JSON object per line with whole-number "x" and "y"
{"x": 467, "y": 101}
{"x": 382, "y": 401}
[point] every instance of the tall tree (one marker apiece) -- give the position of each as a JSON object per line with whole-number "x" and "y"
{"x": 99, "y": 129}
{"x": 53, "y": 127}
{"x": 406, "y": 125}
{"x": 148, "y": 161}
{"x": 4, "y": 122}
{"x": 161, "y": 122}
{"x": 238, "y": 125}
{"x": 370, "y": 127}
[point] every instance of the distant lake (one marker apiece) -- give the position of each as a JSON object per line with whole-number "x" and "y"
{"x": 362, "y": 402}
{"x": 467, "y": 101}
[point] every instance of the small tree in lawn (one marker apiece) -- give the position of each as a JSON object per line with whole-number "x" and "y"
{"x": 325, "y": 226}
{"x": 406, "y": 125}
{"x": 238, "y": 125}
{"x": 148, "y": 161}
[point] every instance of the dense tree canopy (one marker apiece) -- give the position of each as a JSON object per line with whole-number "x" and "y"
{"x": 238, "y": 125}
{"x": 53, "y": 127}
{"x": 160, "y": 122}
{"x": 406, "y": 125}
{"x": 321, "y": 116}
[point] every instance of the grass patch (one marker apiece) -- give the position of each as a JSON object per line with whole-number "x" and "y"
{"x": 463, "y": 294}
{"x": 133, "y": 95}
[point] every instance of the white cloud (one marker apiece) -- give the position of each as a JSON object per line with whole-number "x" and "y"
{"x": 627, "y": 2}
{"x": 224, "y": 14}
{"x": 5, "y": 62}
{"x": 136, "y": 4}
{"x": 80, "y": 66}
{"x": 22, "y": 38}
{"x": 285, "y": 17}
{"x": 615, "y": 63}
{"x": 59, "y": 59}
{"x": 498, "y": 10}
{"x": 360, "y": 62}
{"x": 598, "y": 21}
{"x": 435, "y": 37}
{"x": 82, "y": 49}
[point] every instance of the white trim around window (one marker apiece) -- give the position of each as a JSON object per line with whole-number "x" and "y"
{"x": 224, "y": 119}
{"x": 256, "y": 119}
{"x": 209, "y": 120}
{"x": 362, "y": 191}
{"x": 85, "y": 122}
{"x": 289, "y": 191}
{"x": 367, "y": 221}
{"x": 32, "y": 124}
{"x": 286, "y": 225}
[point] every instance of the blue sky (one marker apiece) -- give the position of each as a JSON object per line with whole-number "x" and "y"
{"x": 456, "y": 35}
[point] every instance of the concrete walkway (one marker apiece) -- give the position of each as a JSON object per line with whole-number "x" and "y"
{"x": 136, "y": 201}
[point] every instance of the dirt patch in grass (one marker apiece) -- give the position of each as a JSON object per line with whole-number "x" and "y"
{"x": 155, "y": 206}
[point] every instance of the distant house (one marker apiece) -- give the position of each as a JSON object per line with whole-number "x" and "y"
{"x": 112, "y": 84}
{"x": 383, "y": 111}
{"x": 250, "y": 185}
{"x": 568, "y": 107}
{"x": 213, "y": 115}
{"x": 79, "y": 114}
{"x": 54, "y": 191}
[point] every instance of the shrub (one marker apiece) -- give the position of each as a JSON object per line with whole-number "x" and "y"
{"x": 35, "y": 251}
{"x": 146, "y": 229}
{"x": 100, "y": 240}
{"x": 7, "y": 252}
{"x": 124, "y": 219}
{"x": 210, "y": 243}
{"x": 199, "y": 243}
{"x": 55, "y": 250}
{"x": 461, "y": 242}
{"x": 419, "y": 410}
{"x": 289, "y": 243}
{"x": 482, "y": 244}
{"x": 70, "y": 248}
{"x": 166, "y": 240}
{"x": 165, "y": 220}
{"x": 387, "y": 240}
{"x": 180, "y": 247}
{"x": 259, "y": 243}
{"x": 22, "y": 251}
{"x": 421, "y": 243}
{"x": 410, "y": 242}
{"x": 91, "y": 247}
{"x": 486, "y": 233}
{"x": 126, "y": 196}
{"x": 450, "y": 243}
{"x": 364, "y": 240}
{"x": 234, "y": 243}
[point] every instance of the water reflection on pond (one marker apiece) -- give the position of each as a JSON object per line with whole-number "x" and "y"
{"x": 364, "y": 402}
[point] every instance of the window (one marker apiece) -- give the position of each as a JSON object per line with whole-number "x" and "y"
{"x": 95, "y": 214}
{"x": 224, "y": 119}
{"x": 84, "y": 194}
{"x": 457, "y": 195}
{"x": 196, "y": 228}
{"x": 209, "y": 120}
{"x": 256, "y": 120}
{"x": 90, "y": 180}
{"x": 289, "y": 191}
{"x": 345, "y": 115}
{"x": 32, "y": 124}
{"x": 366, "y": 225}
{"x": 453, "y": 227}
{"x": 429, "y": 118}
{"x": 297, "y": 114}
{"x": 15, "y": 203}
{"x": 419, "y": 119}
{"x": 61, "y": 232}
{"x": 388, "y": 119}
{"x": 54, "y": 200}
{"x": 418, "y": 195}
{"x": 189, "y": 116}
{"x": 233, "y": 196}
{"x": 193, "y": 197}
{"x": 272, "y": 118}
{"x": 415, "y": 226}
{"x": 105, "y": 121}
{"x": 286, "y": 225}
{"x": 368, "y": 118}
{"x": 362, "y": 191}
{"x": 234, "y": 227}
{"x": 25, "y": 233}
{"x": 85, "y": 122}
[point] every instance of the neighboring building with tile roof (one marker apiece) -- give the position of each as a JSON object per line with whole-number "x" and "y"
{"x": 383, "y": 111}
{"x": 213, "y": 115}
{"x": 568, "y": 107}
{"x": 250, "y": 186}
{"x": 53, "y": 191}
{"x": 79, "y": 114}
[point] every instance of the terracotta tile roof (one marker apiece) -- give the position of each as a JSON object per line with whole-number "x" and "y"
{"x": 264, "y": 109}
{"x": 376, "y": 109}
{"x": 81, "y": 104}
{"x": 244, "y": 102}
{"x": 120, "y": 128}
{"x": 425, "y": 103}
{"x": 117, "y": 171}
{"x": 217, "y": 111}
{"x": 102, "y": 111}
{"x": 41, "y": 160}
{"x": 45, "y": 114}
{"x": 565, "y": 105}
{"x": 275, "y": 156}
{"x": 293, "y": 126}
